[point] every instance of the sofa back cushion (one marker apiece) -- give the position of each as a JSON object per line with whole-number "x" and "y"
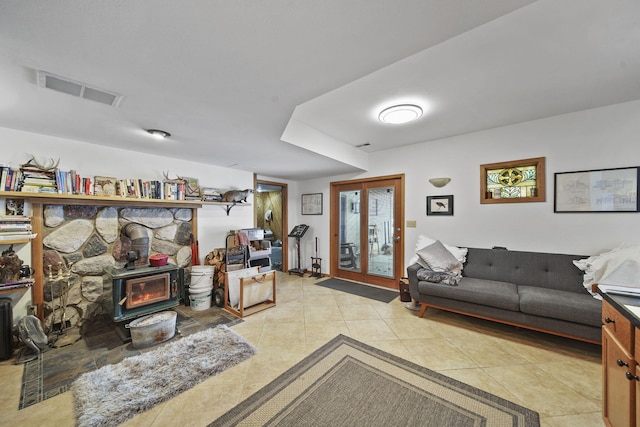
{"x": 553, "y": 271}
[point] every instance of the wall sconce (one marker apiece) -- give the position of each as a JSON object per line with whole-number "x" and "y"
{"x": 439, "y": 182}
{"x": 355, "y": 207}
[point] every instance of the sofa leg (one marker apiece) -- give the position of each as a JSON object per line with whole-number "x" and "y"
{"x": 423, "y": 309}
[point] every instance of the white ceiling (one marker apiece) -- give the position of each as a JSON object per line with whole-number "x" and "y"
{"x": 225, "y": 78}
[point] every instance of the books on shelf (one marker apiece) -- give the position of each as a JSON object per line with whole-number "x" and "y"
{"x": 15, "y": 227}
{"x": 31, "y": 179}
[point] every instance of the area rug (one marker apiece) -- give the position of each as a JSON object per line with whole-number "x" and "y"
{"x": 360, "y": 289}
{"x": 53, "y": 372}
{"x": 348, "y": 383}
{"x": 114, "y": 393}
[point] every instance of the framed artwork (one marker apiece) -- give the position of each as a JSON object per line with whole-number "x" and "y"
{"x": 601, "y": 190}
{"x": 440, "y": 205}
{"x": 312, "y": 204}
{"x": 516, "y": 181}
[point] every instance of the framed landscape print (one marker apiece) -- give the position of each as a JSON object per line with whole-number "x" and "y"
{"x": 601, "y": 190}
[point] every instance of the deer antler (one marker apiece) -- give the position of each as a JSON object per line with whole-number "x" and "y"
{"x": 177, "y": 180}
{"x": 51, "y": 165}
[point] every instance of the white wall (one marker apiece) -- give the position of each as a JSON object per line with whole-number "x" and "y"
{"x": 593, "y": 139}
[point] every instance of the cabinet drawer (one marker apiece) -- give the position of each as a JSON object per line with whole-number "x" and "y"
{"x": 618, "y": 325}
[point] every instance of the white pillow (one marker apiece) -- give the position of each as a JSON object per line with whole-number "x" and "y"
{"x": 423, "y": 241}
{"x": 438, "y": 258}
{"x": 599, "y": 267}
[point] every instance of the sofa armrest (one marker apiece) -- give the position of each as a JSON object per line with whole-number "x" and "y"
{"x": 412, "y": 274}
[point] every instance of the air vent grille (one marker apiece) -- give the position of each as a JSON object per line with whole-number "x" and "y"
{"x": 70, "y": 87}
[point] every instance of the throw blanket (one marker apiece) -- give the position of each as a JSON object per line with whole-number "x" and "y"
{"x": 439, "y": 276}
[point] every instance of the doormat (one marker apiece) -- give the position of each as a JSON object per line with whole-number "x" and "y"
{"x": 348, "y": 383}
{"x": 53, "y": 371}
{"x": 360, "y": 289}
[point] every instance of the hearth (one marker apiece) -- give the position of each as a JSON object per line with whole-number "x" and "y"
{"x": 146, "y": 290}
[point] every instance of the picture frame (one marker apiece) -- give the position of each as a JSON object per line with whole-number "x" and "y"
{"x": 312, "y": 204}
{"x": 597, "y": 190}
{"x": 515, "y": 181}
{"x": 440, "y": 205}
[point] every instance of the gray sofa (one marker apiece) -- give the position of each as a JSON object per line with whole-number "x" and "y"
{"x": 533, "y": 290}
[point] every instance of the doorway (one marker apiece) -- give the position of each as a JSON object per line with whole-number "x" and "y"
{"x": 366, "y": 230}
{"x": 271, "y": 203}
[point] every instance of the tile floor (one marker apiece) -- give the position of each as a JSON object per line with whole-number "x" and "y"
{"x": 559, "y": 378}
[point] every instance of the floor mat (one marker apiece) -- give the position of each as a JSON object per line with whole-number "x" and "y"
{"x": 360, "y": 289}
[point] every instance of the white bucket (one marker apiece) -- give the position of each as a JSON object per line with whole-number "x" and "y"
{"x": 200, "y": 298}
{"x": 201, "y": 277}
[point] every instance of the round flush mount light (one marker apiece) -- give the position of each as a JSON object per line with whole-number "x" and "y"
{"x": 399, "y": 114}
{"x": 158, "y": 134}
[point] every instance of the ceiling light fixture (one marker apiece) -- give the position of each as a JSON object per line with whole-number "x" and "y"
{"x": 399, "y": 114}
{"x": 158, "y": 134}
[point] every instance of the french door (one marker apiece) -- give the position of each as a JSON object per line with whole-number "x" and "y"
{"x": 366, "y": 230}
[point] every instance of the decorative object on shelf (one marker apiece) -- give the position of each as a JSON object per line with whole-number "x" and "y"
{"x": 439, "y": 182}
{"x": 10, "y": 265}
{"x": 14, "y": 207}
{"x": 236, "y": 196}
{"x": 440, "y": 205}
{"x": 312, "y": 204}
{"x": 600, "y": 190}
{"x": 105, "y": 185}
{"x": 515, "y": 181}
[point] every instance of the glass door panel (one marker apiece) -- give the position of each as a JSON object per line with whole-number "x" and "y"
{"x": 380, "y": 231}
{"x": 349, "y": 230}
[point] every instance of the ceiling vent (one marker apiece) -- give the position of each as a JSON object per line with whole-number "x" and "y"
{"x": 70, "y": 87}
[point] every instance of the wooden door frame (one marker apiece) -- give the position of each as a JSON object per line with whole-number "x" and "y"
{"x": 334, "y": 214}
{"x": 285, "y": 216}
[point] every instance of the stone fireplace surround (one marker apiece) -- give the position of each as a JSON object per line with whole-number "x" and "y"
{"x": 90, "y": 238}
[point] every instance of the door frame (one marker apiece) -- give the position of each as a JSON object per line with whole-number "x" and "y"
{"x": 334, "y": 220}
{"x": 285, "y": 216}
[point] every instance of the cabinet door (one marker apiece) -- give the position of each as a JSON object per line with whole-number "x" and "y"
{"x": 618, "y": 391}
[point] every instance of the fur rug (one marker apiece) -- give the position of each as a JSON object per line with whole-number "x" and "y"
{"x": 115, "y": 393}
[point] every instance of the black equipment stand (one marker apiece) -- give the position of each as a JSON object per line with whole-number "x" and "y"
{"x": 297, "y": 232}
{"x": 316, "y": 265}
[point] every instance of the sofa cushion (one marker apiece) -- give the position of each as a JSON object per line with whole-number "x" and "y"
{"x": 437, "y": 258}
{"x": 486, "y": 292}
{"x": 569, "y": 306}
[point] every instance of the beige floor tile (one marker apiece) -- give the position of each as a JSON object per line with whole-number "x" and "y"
{"x": 541, "y": 391}
{"x": 370, "y": 330}
{"x": 322, "y": 313}
{"x": 593, "y": 419}
{"x": 438, "y": 354}
{"x": 358, "y": 312}
{"x": 558, "y": 377}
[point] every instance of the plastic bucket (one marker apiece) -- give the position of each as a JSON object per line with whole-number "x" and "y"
{"x": 201, "y": 277}
{"x": 200, "y": 298}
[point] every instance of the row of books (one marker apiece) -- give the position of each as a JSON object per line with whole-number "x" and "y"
{"x": 34, "y": 180}
{"x": 15, "y": 226}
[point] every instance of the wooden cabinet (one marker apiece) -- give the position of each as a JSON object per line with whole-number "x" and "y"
{"x": 620, "y": 370}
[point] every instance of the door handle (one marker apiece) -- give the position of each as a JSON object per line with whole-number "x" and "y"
{"x": 397, "y": 238}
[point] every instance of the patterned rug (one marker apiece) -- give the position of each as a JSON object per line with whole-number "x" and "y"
{"x": 55, "y": 369}
{"x": 348, "y": 383}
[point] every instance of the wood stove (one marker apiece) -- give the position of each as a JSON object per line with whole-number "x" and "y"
{"x": 133, "y": 293}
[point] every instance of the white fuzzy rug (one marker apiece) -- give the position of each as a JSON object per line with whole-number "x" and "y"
{"x": 115, "y": 393}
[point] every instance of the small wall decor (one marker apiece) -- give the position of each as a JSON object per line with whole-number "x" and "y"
{"x": 601, "y": 190}
{"x": 312, "y": 204}
{"x": 440, "y": 205}
{"x": 515, "y": 181}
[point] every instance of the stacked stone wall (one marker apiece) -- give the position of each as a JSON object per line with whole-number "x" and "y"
{"x": 80, "y": 241}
